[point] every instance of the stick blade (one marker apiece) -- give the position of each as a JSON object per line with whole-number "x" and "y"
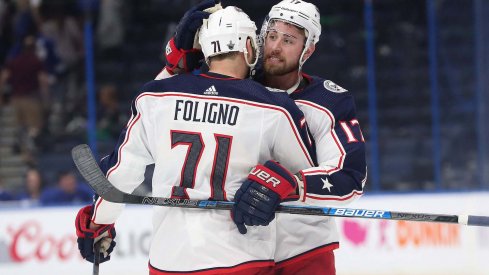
{"x": 88, "y": 167}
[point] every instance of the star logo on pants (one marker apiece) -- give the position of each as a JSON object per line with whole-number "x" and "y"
{"x": 326, "y": 184}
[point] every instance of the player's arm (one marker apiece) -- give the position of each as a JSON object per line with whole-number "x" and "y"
{"x": 270, "y": 184}
{"x": 124, "y": 168}
{"x": 293, "y": 146}
{"x": 340, "y": 146}
{"x": 126, "y": 165}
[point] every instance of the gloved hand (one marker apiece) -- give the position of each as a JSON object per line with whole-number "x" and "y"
{"x": 180, "y": 51}
{"x": 259, "y": 196}
{"x": 87, "y": 237}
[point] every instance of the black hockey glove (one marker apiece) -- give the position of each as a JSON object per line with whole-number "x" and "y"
{"x": 259, "y": 196}
{"x": 180, "y": 51}
{"x": 87, "y": 237}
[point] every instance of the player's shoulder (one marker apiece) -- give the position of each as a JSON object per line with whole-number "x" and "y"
{"x": 282, "y": 99}
{"x": 326, "y": 94}
{"x": 322, "y": 91}
{"x": 259, "y": 93}
{"x": 153, "y": 86}
{"x": 263, "y": 94}
{"x": 162, "y": 85}
{"x": 322, "y": 85}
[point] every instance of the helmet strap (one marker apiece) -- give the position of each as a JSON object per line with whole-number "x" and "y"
{"x": 256, "y": 53}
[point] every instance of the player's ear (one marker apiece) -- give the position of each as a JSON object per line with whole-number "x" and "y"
{"x": 251, "y": 55}
{"x": 309, "y": 52}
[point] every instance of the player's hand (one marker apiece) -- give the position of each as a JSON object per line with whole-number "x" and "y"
{"x": 260, "y": 195}
{"x": 89, "y": 233}
{"x": 180, "y": 51}
{"x": 191, "y": 21}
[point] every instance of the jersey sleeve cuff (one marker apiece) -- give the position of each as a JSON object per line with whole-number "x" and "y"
{"x": 301, "y": 186}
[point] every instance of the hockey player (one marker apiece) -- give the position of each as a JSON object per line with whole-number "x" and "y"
{"x": 305, "y": 244}
{"x": 289, "y": 33}
{"x": 204, "y": 133}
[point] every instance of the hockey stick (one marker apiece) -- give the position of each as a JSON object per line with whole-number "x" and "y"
{"x": 96, "y": 259}
{"x": 89, "y": 169}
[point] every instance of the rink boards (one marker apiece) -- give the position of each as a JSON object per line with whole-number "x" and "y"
{"x": 42, "y": 240}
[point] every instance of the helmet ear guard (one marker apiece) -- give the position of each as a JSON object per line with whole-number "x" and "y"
{"x": 228, "y": 30}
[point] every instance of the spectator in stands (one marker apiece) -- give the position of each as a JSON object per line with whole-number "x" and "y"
{"x": 33, "y": 186}
{"x": 4, "y": 194}
{"x": 67, "y": 191}
{"x": 29, "y": 87}
{"x": 23, "y": 24}
{"x": 61, "y": 27}
{"x": 110, "y": 28}
{"x": 111, "y": 119}
{"x": 27, "y": 23}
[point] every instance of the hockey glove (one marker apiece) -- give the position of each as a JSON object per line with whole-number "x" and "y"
{"x": 87, "y": 237}
{"x": 259, "y": 196}
{"x": 180, "y": 51}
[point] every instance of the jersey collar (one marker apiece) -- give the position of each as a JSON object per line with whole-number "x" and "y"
{"x": 218, "y": 76}
{"x": 305, "y": 81}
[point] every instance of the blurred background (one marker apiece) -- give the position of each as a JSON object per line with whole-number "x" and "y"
{"x": 418, "y": 69}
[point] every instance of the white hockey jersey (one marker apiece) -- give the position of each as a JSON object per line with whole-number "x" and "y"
{"x": 204, "y": 134}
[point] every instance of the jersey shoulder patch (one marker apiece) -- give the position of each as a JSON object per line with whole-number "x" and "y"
{"x": 333, "y": 87}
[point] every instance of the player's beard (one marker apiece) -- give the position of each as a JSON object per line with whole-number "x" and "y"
{"x": 281, "y": 68}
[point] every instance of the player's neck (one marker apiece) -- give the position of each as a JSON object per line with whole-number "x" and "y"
{"x": 229, "y": 68}
{"x": 282, "y": 82}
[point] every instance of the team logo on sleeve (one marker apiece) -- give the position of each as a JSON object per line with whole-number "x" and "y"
{"x": 333, "y": 87}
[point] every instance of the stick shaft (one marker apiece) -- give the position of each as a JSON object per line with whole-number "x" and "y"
{"x": 96, "y": 259}
{"x": 478, "y": 220}
{"x": 89, "y": 169}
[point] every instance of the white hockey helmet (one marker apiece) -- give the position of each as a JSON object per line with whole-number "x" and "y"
{"x": 227, "y": 30}
{"x": 299, "y": 13}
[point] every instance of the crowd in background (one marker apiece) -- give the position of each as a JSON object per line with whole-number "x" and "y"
{"x": 42, "y": 82}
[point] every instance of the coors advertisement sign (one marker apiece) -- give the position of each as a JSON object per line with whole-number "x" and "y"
{"x": 43, "y": 241}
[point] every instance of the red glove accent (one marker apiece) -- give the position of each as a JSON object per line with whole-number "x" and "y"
{"x": 174, "y": 56}
{"x": 82, "y": 224}
{"x": 105, "y": 234}
{"x": 272, "y": 180}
